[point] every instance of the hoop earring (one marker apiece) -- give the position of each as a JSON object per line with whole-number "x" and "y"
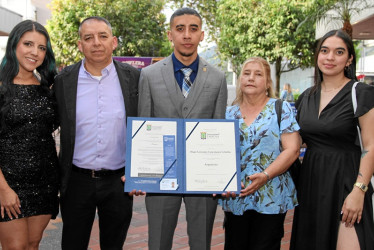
{"x": 346, "y": 69}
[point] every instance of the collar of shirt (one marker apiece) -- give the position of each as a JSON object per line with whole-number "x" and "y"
{"x": 178, "y": 65}
{"x": 104, "y": 72}
{"x": 179, "y": 74}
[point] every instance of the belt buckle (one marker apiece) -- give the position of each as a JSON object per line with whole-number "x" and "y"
{"x": 93, "y": 174}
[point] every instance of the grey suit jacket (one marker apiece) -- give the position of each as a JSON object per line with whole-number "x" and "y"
{"x": 161, "y": 96}
{"x": 65, "y": 88}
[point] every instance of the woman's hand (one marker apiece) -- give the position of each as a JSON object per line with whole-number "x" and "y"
{"x": 352, "y": 207}
{"x": 258, "y": 180}
{"x": 10, "y": 203}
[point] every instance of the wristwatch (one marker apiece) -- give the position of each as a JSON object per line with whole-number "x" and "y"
{"x": 361, "y": 186}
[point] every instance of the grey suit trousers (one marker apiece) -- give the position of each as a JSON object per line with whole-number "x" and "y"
{"x": 163, "y": 213}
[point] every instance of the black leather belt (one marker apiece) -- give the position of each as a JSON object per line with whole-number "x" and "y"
{"x": 97, "y": 173}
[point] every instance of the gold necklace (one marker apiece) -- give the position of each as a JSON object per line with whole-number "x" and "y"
{"x": 330, "y": 90}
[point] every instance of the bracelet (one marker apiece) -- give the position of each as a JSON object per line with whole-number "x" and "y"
{"x": 267, "y": 175}
{"x": 361, "y": 186}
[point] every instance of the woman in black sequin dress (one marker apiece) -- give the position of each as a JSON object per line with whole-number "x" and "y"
{"x": 28, "y": 161}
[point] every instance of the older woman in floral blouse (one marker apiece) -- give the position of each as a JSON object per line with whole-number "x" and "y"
{"x": 254, "y": 220}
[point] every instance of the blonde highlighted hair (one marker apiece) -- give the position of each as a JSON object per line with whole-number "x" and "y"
{"x": 288, "y": 87}
{"x": 266, "y": 68}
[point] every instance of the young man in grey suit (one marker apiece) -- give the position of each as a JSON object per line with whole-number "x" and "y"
{"x": 166, "y": 91}
{"x": 94, "y": 97}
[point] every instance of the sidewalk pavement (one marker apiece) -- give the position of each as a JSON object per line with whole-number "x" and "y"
{"x": 137, "y": 237}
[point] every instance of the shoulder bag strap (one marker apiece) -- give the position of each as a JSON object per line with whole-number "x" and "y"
{"x": 278, "y": 110}
{"x": 354, "y": 102}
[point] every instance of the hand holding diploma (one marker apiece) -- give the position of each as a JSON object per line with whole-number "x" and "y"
{"x": 134, "y": 191}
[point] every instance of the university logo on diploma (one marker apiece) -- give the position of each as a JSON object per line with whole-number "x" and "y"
{"x": 203, "y": 135}
{"x": 182, "y": 155}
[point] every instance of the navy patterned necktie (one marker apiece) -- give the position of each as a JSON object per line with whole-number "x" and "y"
{"x": 186, "y": 81}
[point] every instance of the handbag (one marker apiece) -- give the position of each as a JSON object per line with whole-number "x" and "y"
{"x": 354, "y": 102}
{"x": 295, "y": 167}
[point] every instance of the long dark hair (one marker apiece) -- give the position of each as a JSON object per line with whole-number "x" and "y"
{"x": 9, "y": 67}
{"x": 350, "y": 71}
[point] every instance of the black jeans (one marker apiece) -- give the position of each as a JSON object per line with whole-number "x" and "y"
{"x": 78, "y": 208}
{"x": 253, "y": 230}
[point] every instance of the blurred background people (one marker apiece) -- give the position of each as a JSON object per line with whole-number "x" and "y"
{"x": 286, "y": 94}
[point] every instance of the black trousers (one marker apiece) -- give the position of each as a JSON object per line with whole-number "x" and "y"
{"x": 78, "y": 208}
{"x": 253, "y": 230}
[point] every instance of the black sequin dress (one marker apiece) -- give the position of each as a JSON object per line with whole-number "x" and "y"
{"x": 28, "y": 158}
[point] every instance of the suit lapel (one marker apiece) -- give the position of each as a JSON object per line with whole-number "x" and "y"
{"x": 123, "y": 76}
{"x": 70, "y": 85}
{"x": 175, "y": 94}
{"x": 198, "y": 85}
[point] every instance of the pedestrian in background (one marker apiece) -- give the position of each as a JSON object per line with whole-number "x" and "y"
{"x": 286, "y": 94}
{"x": 254, "y": 220}
{"x": 94, "y": 97}
{"x": 182, "y": 85}
{"x": 29, "y": 180}
{"x": 335, "y": 195}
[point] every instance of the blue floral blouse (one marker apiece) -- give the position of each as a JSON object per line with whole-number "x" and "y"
{"x": 259, "y": 147}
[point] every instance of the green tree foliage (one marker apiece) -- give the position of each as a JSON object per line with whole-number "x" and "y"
{"x": 268, "y": 29}
{"x": 138, "y": 24}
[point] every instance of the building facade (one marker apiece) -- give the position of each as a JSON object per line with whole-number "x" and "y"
{"x": 15, "y": 11}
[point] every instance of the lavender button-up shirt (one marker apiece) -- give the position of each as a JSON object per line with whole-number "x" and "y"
{"x": 100, "y": 141}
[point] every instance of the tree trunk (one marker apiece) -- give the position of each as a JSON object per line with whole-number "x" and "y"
{"x": 347, "y": 27}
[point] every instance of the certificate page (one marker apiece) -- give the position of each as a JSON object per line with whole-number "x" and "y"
{"x": 211, "y": 157}
{"x": 153, "y": 148}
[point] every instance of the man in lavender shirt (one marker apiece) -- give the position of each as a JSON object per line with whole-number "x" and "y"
{"x": 94, "y": 98}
